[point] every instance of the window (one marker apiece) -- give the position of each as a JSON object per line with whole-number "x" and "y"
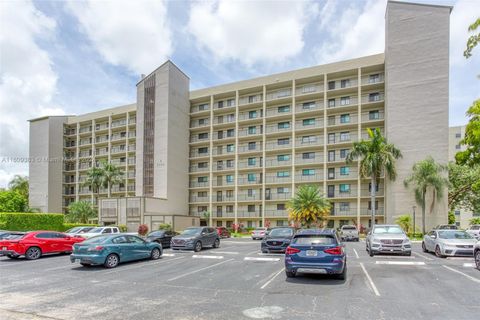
{"x": 230, "y": 133}
{"x": 458, "y": 135}
{"x": 202, "y": 194}
{"x": 202, "y": 208}
{"x": 283, "y": 141}
{"x": 230, "y": 148}
{"x": 331, "y": 85}
{"x": 343, "y": 153}
{"x": 283, "y": 174}
{"x": 252, "y": 130}
{"x": 331, "y": 120}
{"x": 220, "y": 134}
{"x": 202, "y": 121}
{"x": 374, "y": 115}
{"x": 282, "y": 190}
{"x": 229, "y": 178}
{"x": 345, "y": 83}
{"x": 344, "y": 171}
{"x": 203, "y": 150}
{"x": 252, "y": 161}
{"x": 344, "y": 206}
{"x": 370, "y": 187}
{"x": 251, "y": 177}
{"x": 308, "y": 172}
{"x": 229, "y": 163}
{"x": 374, "y": 97}
{"x": 280, "y": 206}
{"x": 219, "y": 223}
{"x": 45, "y": 235}
{"x": 331, "y": 191}
{"x": 230, "y": 102}
{"x": 345, "y": 136}
{"x": 457, "y": 146}
{"x": 203, "y": 135}
{"x": 374, "y": 78}
{"x": 283, "y": 93}
{"x": 283, "y": 157}
{"x": 283, "y": 109}
{"x": 331, "y": 173}
{"x": 202, "y": 179}
{"x": 118, "y": 240}
{"x": 308, "y": 155}
{"x": 308, "y": 88}
{"x": 250, "y": 192}
{"x": 345, "y": 118}
{"x": 331, "y": 155}
{"x": 203, "y": 164}
{"x": 331, "y": 138}
{"x": 309, "y": 139}
{"x": 344, "y": 101}
{"x": 251, "y": 208}
{"x": 231, "y": 117}
{"x": 280, "y": 223}
{"x": 229, "y": 193}
{"x": 370, "y": 205}
{"x": 252, "y": 114}
{"x": 220, "y": 104}
{"x": 308, "y": 122}
{"x": 344, "y": 188}
{"x": 308, "y": 105}
{"x": 252, "y": 145}
{"x": 203, "y": 107}
{"x": 284, "y": 125}
{"x": 331, "y": 103}
{"x": 457, "y": 212}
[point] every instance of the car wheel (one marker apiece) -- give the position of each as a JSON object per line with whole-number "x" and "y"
{"x": 155, "y": 254}
{"x": 370, "y": 252}
{"x": 197, "y": 247}
{"x": 216, "y": 244}
{"x": 265, "y": 251}
{"x": 290, "y": 274}
{"x": 12, "y": 256}
{"x": 408, "y": 254}
{"x": 438, "y": 252}
{"x": 111, "y": 261}
{"x": 424, "y": 247}
{"x": 343, "y": 275}
{"x": 477, "y": 259}
{"x": 33, "y": 253}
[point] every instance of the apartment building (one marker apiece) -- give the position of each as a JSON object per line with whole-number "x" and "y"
{"x": 236, "y": 153}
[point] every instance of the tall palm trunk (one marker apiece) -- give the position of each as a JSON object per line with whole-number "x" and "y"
{"x": 372, "y": 199}
{"x": 109, "y": 187}
{"x": 424, "y": 193}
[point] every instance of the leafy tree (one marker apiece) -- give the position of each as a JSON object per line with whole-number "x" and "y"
{"x": 111, "y": 175}
{"x": 475, "y": 221}
{"x": 12, "y": 201}
{"x": 427, "y": 175}
{"x": 94, "y": 180}
{"x": 308, "y": 206}
{"x": 451, "y": 217}
{"x": 473, "y": 40}
{"x": 20, "y": 184}
{"x": 405, "y": 222}
{"x": 471, "y": 156}
{"x": 377, "y": 156}
{"x": 80, "y": 212}
{"x": 464, "y": 189}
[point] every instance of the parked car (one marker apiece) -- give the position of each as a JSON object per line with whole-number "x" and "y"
{"x": 223, "y": 232}
{"x": 259, "y": 233}
{"x": 196, "y": 238}
{"x": 164, "y": 237}
{"x": 78, "y": 230}
{"x": 449, "y": 243}
{"x": 317, "y": 251}
{"x": 474, "y": 231}
{"x": 10, "y": 234}
{"x": 476, "y": 254}
{"x": 349, "y": 232}
{"x": 110, "y": 250}
{"x": 33, "y": 245}
{"x": 98, "y": 231}
{"x": 277, "y": 239}
{"x": 388, "y": 238}
{"x": 446, "y": 227}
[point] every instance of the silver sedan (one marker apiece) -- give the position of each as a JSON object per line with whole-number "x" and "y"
{"x": 449, "y": 243}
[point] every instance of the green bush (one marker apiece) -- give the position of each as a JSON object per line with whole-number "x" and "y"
{"x": 122, "y": 227}
{"x": 19, "y": 221}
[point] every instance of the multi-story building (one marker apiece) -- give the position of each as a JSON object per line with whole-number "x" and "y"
{"x": 236, "y": 153}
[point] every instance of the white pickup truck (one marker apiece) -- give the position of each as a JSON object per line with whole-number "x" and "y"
{"x": 474, "y": 231}
{"x": 100, "y": 230}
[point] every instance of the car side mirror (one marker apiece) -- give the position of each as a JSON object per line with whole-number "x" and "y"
{"x": 204, "y": 233}
{"x": 433, "y": 236}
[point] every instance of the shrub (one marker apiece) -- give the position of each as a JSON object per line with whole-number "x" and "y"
{"x": 122, "y": 228}
{"x": 475, "y": 220}
{"x": 164, "y": 226}
{"x": 142, "y": 229}
{"x": 20, "y": 221}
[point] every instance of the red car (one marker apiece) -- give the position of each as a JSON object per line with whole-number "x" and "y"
{"x": 33, "y": 245}
{"x": 223, "y": 232}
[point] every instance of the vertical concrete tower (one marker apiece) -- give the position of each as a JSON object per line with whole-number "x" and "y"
{"x": 416, "y": 104}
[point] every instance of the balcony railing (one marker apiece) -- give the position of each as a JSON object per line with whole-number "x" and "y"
{"x": 317, "y": 160}
{"x": 198, "y": 169}
{"x": 276, "y": 213}
{"x": 251, "y": 133}
{"x": 278, "y": 196}
{"x": 198, "y": 124}
{"x": 273, "y": 162}
{"x": 103, "y": 126}
{"x": 196, "y": 154}
{"x": 247, "y": 214}
{"x": 373, "y": 116}
{"x": 310, "y": 141}
{"x": 342, "y": 138}
{"x": 342, "y": 102}
{"x": 119, "y": 123}
{"x": 342, "y": 84}
{"x": 273, "y": 128}
{"x": 308, "y": 106}
{"x": 194, "y": 198}
{"x": 279, "y": 94}
{"x": 196, "y": 184}
{"x": 277, "y": 179}
{"x": 304, "y": 178}
{"x": 373, "y": 79}
{"x": 200, "y": 108}
{"x": 250, "y": 99}
{"x": 274, "y": 145}
{"x": 279, "y": 111}
{"x": 308, "y": 89}
{"x": 246, "y": 197}
{"x": 342, "y": 120}
{"x": 373, "y": 98}
{"x": 247, "y": 148}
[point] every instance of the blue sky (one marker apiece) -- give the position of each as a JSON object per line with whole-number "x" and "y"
{"x": 60, "y": 57}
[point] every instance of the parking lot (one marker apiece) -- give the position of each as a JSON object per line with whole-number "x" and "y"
{"x": 236, "y": 281}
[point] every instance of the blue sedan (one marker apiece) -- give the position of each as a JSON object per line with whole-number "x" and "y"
{"x": 110, "y": 250}
{"x": 318, "y": 251}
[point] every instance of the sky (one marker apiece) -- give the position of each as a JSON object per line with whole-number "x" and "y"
{"x": 73, "y": 57}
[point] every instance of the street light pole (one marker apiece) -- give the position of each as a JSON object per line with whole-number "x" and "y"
{"x": 414, "y": 207}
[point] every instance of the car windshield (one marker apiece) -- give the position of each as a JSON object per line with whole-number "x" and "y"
{"x": 448, "y": 226}
{"x": 14, "y": 236}
{"x": 85, "y": 230}
{"x": 388, "y": 230}
{"x": 284, "y": 232}
{"x": 314, "y": 239}
{"x": 73, "y": 230}
{"x": 475, "y": 228}
{"x": 191, "y": 231}
{"x": 454, "y": 234}
{"x": 96, "y": 230}
{"x": 349, "y": 228}
{"x": 97, "y": 239}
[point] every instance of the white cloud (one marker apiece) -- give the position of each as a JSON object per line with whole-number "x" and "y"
{"x": 250, "y": 31}
{"x": 355, "y": 32}
{"x": 129, "y": 33}
{"x": 28, "y": 81}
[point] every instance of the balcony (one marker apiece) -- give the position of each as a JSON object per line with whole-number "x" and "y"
{"x": 252, "y": 197}
{"x": 299, "y": 177}
{"x": 85, "y": 130}
{"x": 247, "y": 132}
{"x": 279, "y": 111}
{"x": 279, "y": 94}
{"x": 219, "y": 151}
{"x": 197, "y": 184}
{"x": 342, "y": 120}
{"x": 278, "y": 180}
{"x": 84, "y": 142}
{"x": 374, "y": 97}
{"x": 276, "y": 128}
{"x": 250, "y": 148}
{"x": 244, "y": 180}
{"x": 132, "y": 121}
{"x": 309, "y": 88}
{"x": 199, "y": 124}
{"x": 309, "y": 107}
{"x": 102, "y": 126}
{"x": 131, "y": 161}
{"x": 132, "y": 134}
{"x": 118, "y": 150}
{"x": 222, "y": 183}
{"x": 373, "y": 79}
{"x": 278, "y": 196}
{"x": 250, "y": 99}
{"x": 337, "y": 85}
{"x": 340, "y": 174}
{"x": 318, "y": 159}
{"x": 365, "y": 192}
{"x": 272, "y": 213}
{"x": 364, "y": 211}
{"x": 200, "y": 108}
{"x": 223, "y": 198}
{"x": 194, "y": 198}
{"x": 244, "y": 164}
{"x": 342, "y": 102}
{"x": 258, "y": 115}
{"x": 309, "y": 141}
{"x": 101, "y": 139}
{"x": 132, "y": 147}
{"x": 221, "y": 214}
{"x": 339, "y": 138}
{"x": 195, "y": 168}
{"x": 247, "y": 214}
{"x": 227, "y": 104}
{"x": 119, "y": 123}
{"x": 377, "y": 115}
{"x": 274, "y": 145}
{"x": 352, "y": 193}
{"x": 116, "y": 137}
{"x": 223, "y": 167}
{"x": 274, "y": 162}
{"x": 131, "y": 175}
{"x": 343, "y": 211}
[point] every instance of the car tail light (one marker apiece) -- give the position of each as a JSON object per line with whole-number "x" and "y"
{"x": 335, "y": 251}
{"x": 97, "y": 248}
{"x": 291, "y": 250}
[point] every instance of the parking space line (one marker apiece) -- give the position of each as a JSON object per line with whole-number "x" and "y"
{"x": 372, "y": 285}
{"x": 168, "y": 255}
{"x": 401, "y": 263}
{"x": 469, "y": 265}
{"x": 423, "y": 256}
{"x": 260, "y": 259}
{"x": 460, "y": 258}
{"x": 271, "y": 254}
{"x": 356, "y": 253}
{"x": 271, "y": 279}
{"x": 394, "y": 257}
{"x": 202, "y": 256}
{"x": 226, "y": 252}
{"x": 198, "y": 270}
{"x": 463, "y": 274}
{"x": 139, "y": 266}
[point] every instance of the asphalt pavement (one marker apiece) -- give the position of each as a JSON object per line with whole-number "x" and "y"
{"x": 236, "y": 281}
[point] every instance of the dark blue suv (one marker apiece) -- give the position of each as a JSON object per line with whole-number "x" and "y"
{"x": 317, "y": 251}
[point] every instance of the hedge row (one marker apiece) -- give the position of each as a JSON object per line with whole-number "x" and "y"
{"x": 20, "y": 221}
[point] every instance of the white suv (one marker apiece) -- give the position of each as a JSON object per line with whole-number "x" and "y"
{"x": 100, "y": 230}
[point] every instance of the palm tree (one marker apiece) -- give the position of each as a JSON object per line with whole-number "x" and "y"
{"x": 308, "y": 206}
{"x": 111, "y": 175}
{"x": 80, "y": 212}
{"x": 94, "y": 180}
{"x": 427, "y": 175}
{"x": 376, "y": 155}
{"x": 20, "y": 184}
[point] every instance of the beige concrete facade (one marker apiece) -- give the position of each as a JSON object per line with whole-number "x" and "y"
{"x": 236, "y": 153}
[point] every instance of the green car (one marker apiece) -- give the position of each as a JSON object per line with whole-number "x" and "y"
{"x": 110, "y": 250}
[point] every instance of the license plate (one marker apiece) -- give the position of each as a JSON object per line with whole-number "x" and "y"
{"x": 308, "y": 270}
{"x": 311, "y": 253}
{"x": 4, "y": 248}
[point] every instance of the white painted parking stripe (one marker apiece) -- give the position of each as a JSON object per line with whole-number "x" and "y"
{"x": 356, "y": 253}
{"x": 423, "y": 256}
{"x": 463, "y": 274}
{"x": 402, "y": 263}
{"x": 393, "y": 257}
{"x": 460, "y": 258}
{"x": 271, "y": 254}
{"x": 272, "y": 278}
{"x": 195, "y": 256}
{"x": 374, "y": 287}
{"x": 226, "y": 252}
{"x": 168, "y": 255}
{"x": 240, "y": 242}
{"x": 198, "y": 270}
{"x": 469, "y": 265}
{"x": 260, "y": 259}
